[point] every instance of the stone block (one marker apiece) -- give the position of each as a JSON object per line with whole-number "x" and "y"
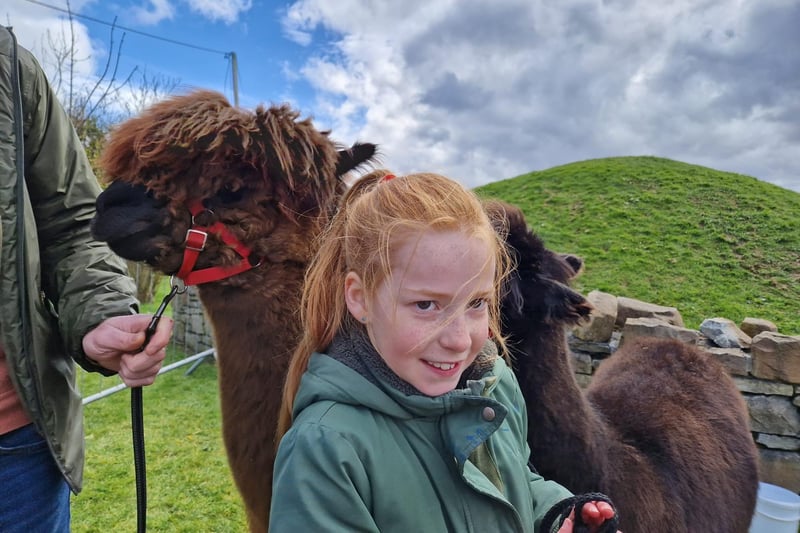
{"x": 777, "y": 442}
{"x": 653, "y": 327}
{"x": 754, "y": 326}
{"x": 776, "y": 356}
{"x": 600, "y": 325}
{"x": 760, "y": 386}
{"x": 780, "y": 468}
{"x": 736, "y": 362}
{"x": 581, "y": 363}
{"x": 583, "y": 380}
{"x": 773, "y": 414}
{"x": 576, "y": 344}
{"x": 628, "y": 308}
{"x": 724, "y": 333}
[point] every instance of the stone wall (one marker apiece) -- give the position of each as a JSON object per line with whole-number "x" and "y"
{"x": 192, "y": 331}
{"x": 764, "y": 364}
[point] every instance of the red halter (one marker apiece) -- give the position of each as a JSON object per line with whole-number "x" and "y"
{"x": 196, "y": 237}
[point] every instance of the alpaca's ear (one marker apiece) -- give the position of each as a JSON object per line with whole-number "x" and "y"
{"x": 575, "y": 262}
{"x": 354, "y": 157}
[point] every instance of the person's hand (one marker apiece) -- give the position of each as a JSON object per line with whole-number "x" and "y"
{"x": 116, "y": 345}
{"x": 593, "y": 515}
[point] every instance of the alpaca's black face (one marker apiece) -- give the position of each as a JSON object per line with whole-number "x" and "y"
{"x": 141, "y": 227}
{"x": 533, "y": 298}
{"x": 537, "y": 291}
{"x": 131, "y": 221}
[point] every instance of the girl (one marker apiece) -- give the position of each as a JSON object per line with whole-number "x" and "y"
{"x": 403, "y": 416}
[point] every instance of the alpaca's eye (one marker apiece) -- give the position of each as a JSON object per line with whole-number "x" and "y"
{"x": 230, "y": 196}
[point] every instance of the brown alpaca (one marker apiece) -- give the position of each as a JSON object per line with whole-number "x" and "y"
{"x": 270, "y": 179}
{"x": 662, "y": 429}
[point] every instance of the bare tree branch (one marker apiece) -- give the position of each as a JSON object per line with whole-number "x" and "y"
{"x": 102, "y": 77}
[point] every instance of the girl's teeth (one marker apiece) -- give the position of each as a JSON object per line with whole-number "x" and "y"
{"x": 443, "y": 366}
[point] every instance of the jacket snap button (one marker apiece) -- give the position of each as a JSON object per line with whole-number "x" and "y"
{"x": 488, "y": 414}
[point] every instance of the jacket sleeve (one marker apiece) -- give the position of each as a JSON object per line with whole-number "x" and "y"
{"x": 83, "y": 279}
{"x": 319, "y": 484}
{"x": 545, "y": 493}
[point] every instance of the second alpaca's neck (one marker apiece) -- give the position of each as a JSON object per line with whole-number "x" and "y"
{"x": 564, "y": 432}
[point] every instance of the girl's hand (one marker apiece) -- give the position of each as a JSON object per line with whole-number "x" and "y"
{"x": 592, "y": 513}
{"x": 595, "y": 513}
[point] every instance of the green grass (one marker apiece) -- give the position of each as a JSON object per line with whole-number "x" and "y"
{"x": 161, "y": 291}
{"x": 712, "y": 244}
{"x": 189, "y": 485}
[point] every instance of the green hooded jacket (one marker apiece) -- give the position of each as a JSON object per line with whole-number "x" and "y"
{"x": 56, "y": 282}
{"x": 363, "y": 456}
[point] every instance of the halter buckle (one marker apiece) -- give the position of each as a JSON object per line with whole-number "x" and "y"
{"x": 196, "y": 240}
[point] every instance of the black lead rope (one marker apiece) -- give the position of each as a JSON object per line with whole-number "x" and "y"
{"x": 137, "y": 418}
{"x": 137, "y": 425}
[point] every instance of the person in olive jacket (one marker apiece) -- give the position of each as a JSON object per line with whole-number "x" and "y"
{"x": 65, "y": 298}
{"x": 398, "y": 413}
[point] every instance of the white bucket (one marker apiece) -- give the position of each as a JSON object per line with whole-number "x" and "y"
{"x": 777, "y": 510}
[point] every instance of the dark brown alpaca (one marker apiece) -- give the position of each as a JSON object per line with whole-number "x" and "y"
{"x": 270, "y": 179}
{"x": 662, "y": 429}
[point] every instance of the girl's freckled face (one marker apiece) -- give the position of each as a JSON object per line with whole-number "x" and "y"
{"x": 431, "y": 318}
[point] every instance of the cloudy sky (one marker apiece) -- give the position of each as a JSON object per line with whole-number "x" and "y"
{"x": 486, "y": 90}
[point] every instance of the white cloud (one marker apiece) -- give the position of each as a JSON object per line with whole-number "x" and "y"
{"x": 299, "y": 19}
{"x": 227, "y": 11}
{"x": 486, "y": 91}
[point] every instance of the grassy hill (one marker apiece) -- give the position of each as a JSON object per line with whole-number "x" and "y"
{"x": 711, "y": 243}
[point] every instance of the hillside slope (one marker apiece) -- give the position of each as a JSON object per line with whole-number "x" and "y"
{"x": 711, "y": 243}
